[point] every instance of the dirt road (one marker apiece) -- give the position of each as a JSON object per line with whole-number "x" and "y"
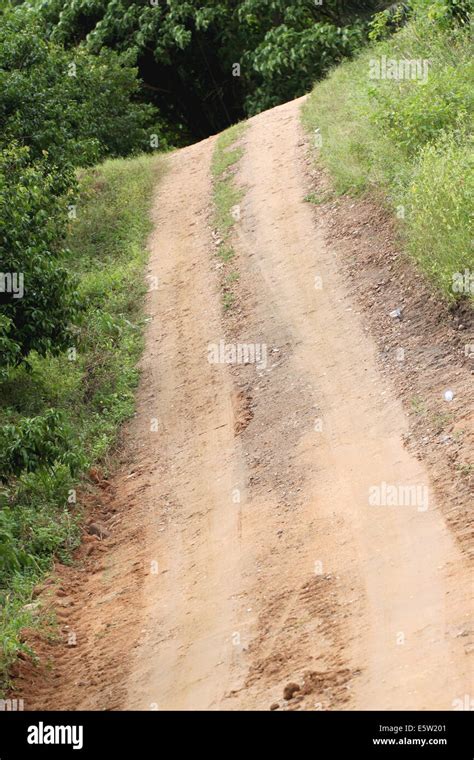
{"x": 252, "y": 547}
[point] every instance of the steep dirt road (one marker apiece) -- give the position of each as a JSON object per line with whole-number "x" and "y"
{"x": 188, "y": 612}
{"x": 245, "y": 553}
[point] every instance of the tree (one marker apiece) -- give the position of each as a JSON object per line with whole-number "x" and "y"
{"x": 187, "y": 49}
{"x": 37, "y": 311}
{"x": 76, "y": 106}
{"x": 59, "y": 109}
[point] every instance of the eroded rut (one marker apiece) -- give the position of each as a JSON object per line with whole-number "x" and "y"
{"x": 245, "y": 552}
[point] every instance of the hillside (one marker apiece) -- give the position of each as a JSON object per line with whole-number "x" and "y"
{"x": 266, "y": 523}
{"x": 236, "y": 410}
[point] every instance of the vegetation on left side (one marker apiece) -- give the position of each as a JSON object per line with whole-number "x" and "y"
{"x": 60, "y": 414}
{"x": 70, "y": 336}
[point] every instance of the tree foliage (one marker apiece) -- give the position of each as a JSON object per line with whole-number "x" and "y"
{"x": 76, "y": 107}
{"x": 32, "y": 226}
{"x": 187, "y": 50}
{"x": 59, "y": 109}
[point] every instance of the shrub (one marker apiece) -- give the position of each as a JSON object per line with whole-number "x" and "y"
{"x": 35, "y": 442}
{"x": 413, "y": 114}
{"x": 12, "y": 556}
{"x": 439, "y": 218}
{"x": 59, "y": 109}
{"x": 187, "y": 50}
{"x": 32, "y": 229}
{"x": 288, "y": 60}
{"x": 71, "y": 108}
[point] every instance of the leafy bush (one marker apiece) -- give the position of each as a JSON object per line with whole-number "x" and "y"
{"x": 443, "y": 12}
{"x": 36, "y": 442}
{"x": 32, "y": 229}
{"x": 59, "y": 109}
{"x": 439, "y": 218}
{"x": 62, "y": 415}
{"x": 288, "y": 60}
{"x": 69, "y": 107}
{"x": 12, "y": 556}
{"x": 415, "y": 115}
{"x": 9, "y": 349}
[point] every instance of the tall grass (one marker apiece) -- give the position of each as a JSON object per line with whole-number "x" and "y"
{"x": 409, "y": 140}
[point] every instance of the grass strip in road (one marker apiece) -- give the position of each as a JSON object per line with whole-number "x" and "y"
{"x": 227, "y": 196}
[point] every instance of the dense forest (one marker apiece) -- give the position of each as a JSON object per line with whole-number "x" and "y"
{"x": 205, "y": 65}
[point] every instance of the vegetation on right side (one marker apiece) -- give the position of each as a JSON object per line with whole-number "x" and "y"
{"x": 398, "y": 120}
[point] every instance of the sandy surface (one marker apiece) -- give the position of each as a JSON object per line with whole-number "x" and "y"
{"x": 244, "y": 553}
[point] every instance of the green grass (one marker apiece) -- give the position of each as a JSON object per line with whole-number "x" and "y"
{"x": 227, "y": 197}
{"x": 227, "y": 300}
{"x": 226, "y": 154}
{"x": 407, "y": 142}
{"x": 92, "y": 389}
{"x": 226, "y": 194}
{"x": 317, "y": 198}
{"x": 225, "y": 252}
